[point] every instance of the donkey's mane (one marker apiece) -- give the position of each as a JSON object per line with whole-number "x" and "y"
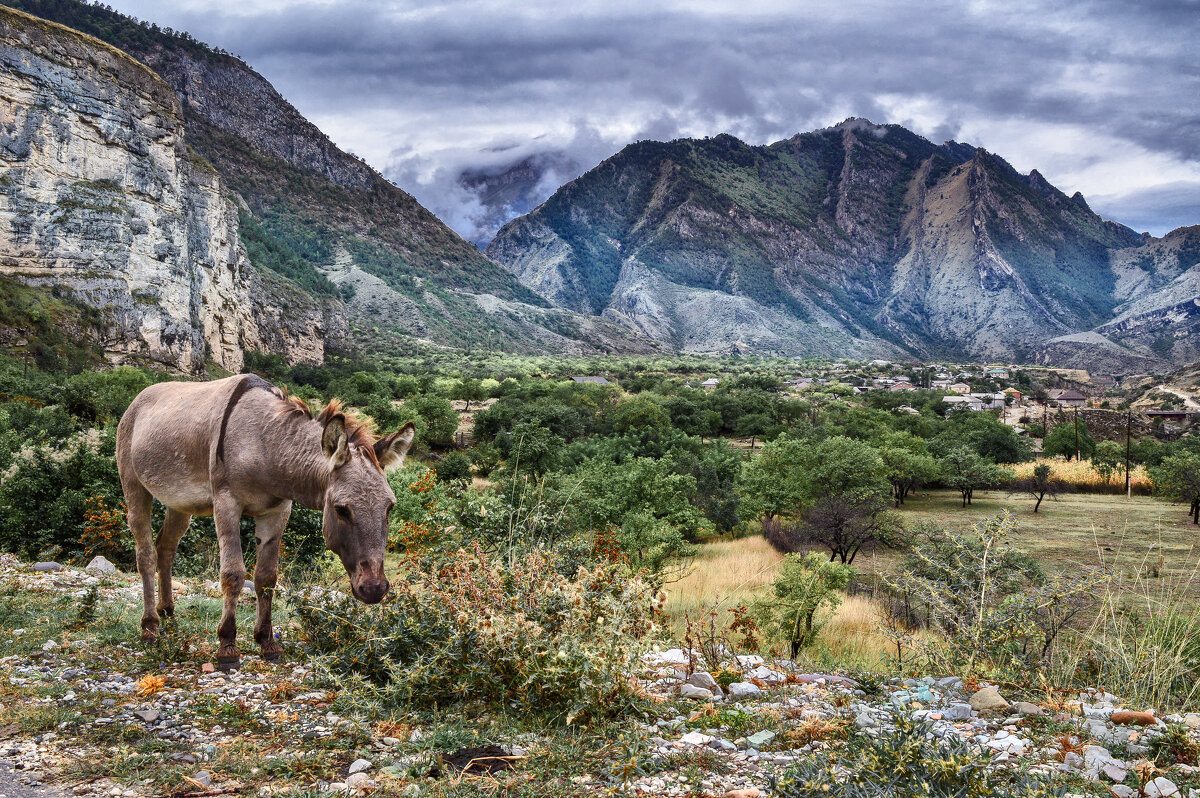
{"x": 359, "y": 429}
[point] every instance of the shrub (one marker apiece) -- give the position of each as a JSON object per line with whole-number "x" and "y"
{"x": 909, "y": 762}
{"x": 44, "y": 494}
{"x": 517, "y": 633}
{"x": 804, "y": 585}
{"x": 453, "y": 467}
{"x": 998, "y": 609}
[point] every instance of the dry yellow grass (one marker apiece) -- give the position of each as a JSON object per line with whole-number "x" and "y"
{"x": 1082, "y": 476}
{"x": 729, "y": 573}
{"x": 733, "y": 573}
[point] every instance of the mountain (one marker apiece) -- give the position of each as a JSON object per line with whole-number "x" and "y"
{"x": 854, "y": 240}
{"x": 318, "y": 240}
{"x": 510, "y": 190}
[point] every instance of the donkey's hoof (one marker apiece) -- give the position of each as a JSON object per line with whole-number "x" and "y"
{"x": 228, "y": 664}
{"x": 273, "y": 655}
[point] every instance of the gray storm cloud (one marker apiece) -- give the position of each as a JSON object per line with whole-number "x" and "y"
{"x": 481, "y": 108}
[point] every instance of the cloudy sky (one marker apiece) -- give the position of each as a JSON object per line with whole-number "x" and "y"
{"x": 1101, "y": 97}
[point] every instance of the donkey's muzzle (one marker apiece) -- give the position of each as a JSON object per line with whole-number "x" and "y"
{"x": 372, "y": 591}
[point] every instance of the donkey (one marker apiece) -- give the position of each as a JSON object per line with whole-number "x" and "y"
{"x": 240, "y": 446}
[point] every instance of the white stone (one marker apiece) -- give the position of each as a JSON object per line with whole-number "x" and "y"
{"x": 100, "y": 565}
{"x": 672, "y": 656}
{"x": 359, "y": 765}
{"x": 692, "y": 691}
{"x": 749, "y": 660}
{"x": 743, "y": 690}
{"x": 704, "y": 679}
{"x": 696, "y": 738}
{"x": 1161, "y": 787}
{"x": 763, "y": 673}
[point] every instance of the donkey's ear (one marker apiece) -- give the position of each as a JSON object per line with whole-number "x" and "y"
{"x": 390, "y": 450}
{"x": 334, "y": 442}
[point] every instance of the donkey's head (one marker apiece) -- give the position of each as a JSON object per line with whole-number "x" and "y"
{"x": 358, "y": 500}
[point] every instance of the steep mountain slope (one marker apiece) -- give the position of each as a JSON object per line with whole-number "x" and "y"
{"x": 305, "y": 206}
{"x": 855, "y": 239}
{"x": 99, "y": 193}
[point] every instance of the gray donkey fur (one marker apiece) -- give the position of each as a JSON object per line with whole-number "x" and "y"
{"x": 240, "y": 446}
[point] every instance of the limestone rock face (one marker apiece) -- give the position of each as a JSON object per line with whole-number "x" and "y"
{"x": 100, "y": 196}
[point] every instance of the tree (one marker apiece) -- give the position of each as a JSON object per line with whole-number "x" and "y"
{"x": 1107, "y": 458}
{"x": 651, "y": 543}
{"x": 773, "y": 482}
{"x": 845, "y": 526}
{"x": 907, "y": 470}
{"x": 1040, "y": 484}
{"x": 965, "y": 471}
{"x": 844, "y": 467}
{"x": 1062, "y": 439}
{"x": 469, "y": 390}
{"x": 434, "y": 417}
{"x": 1177, "y": 478}
{"x": 804, "y": 585}
{"x": 533, "y": 449}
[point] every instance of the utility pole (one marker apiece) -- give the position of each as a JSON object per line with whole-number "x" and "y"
{"x": 1077, "y": 434}
{"x": 1128, "y": 450}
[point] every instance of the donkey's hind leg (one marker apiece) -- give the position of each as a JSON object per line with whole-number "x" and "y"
{"x": 138, "y": 506}
{"x": 173, "y": 528}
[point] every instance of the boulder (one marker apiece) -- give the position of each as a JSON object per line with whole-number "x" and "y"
{"x": 988, "y": 700}
{"x": 704, "y": 679}
{"x": 759, "y": 739}
{"x": 692, "y": 691}
{"x": 957, "y": 711}
{"x": 47, "y": 566}
{"x": 1026, "y": 708}
{"x": 743, "y": 690}
{"x": 100, "y": 566}
{"x": 765, "y": 674}
{"x": 1161, "y": 787}
{"x": 359, "y": 765}
{"x": 696, "y": 738}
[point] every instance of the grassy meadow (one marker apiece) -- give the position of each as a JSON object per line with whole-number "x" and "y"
{"x": 1148, "y": 545}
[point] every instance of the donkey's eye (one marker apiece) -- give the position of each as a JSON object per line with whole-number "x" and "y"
{"x": 343, "y": 512}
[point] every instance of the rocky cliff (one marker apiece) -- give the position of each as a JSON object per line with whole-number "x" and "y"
{"x": 853, "y": 240}
{"x": 304, "y": 211}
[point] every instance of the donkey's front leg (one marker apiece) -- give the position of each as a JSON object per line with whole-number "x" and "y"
{"x": 268, "y": 530}
{"x": 227, "y": 514}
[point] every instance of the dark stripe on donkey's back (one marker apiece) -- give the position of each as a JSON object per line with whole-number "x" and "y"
{"x": 252, "y": 381}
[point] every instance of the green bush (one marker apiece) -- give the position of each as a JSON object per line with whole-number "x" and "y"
{"x": 908, "y": 763}
{"x": 44, "y": 491}
{"x": 453, "y": 467}
{"x": 804, "y": 585}
{"x": 515, "y": 633}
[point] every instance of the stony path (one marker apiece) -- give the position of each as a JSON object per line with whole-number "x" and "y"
{"x": 11, "y": 786}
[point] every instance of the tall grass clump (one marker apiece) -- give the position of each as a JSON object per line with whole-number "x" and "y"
{"x": 1143, "y": 642}
{"x": 513, "y": 632}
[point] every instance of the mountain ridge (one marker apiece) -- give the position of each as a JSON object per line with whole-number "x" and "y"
{"x": 853, "y": 239}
